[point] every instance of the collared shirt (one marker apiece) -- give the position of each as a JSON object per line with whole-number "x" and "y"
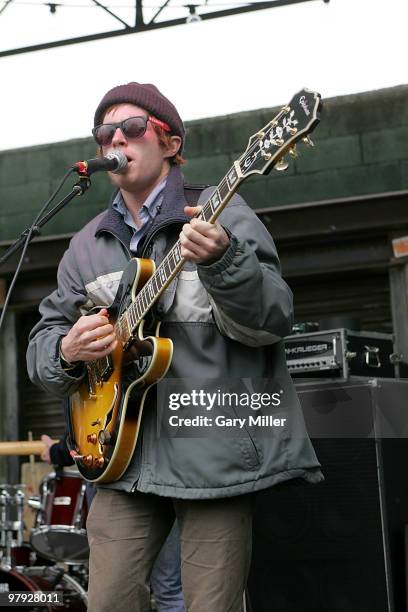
{"x": 147, "y": 213}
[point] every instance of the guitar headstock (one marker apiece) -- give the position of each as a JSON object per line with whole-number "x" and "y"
{"x": 294, "y": 122}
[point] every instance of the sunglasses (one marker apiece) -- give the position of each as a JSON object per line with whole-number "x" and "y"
{"x": 133, "y": 127}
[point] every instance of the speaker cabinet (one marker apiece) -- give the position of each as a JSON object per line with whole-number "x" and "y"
{"x": 339, "y": 546}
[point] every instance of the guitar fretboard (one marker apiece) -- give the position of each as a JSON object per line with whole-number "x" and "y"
{"x": 173, "y": 262}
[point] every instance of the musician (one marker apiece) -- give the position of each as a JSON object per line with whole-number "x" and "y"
{"x": 226, "y": 313}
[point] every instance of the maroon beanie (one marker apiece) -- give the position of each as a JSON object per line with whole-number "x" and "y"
{"x": 148, "y": 97}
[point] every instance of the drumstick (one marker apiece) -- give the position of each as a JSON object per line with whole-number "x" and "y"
{"x": 25, "y": 447}
{"x": 32, "y": 456}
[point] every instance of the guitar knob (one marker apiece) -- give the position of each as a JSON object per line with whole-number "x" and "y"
{"x": 281, "y": 165}
{"x": 99, "y": 462}
{"x": 88, "y": 460}
{"x": 104, "y": 437}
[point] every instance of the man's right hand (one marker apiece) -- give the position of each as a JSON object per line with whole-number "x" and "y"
{"x": 92, "y": 337}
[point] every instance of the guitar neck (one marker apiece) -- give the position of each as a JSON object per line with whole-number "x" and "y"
{"x": 173, "y": 263}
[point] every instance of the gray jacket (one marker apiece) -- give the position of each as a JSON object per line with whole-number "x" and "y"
{"x": 226, "y": 320}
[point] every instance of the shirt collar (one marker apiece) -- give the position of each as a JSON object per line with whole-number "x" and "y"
{"x": 119, "y": 205}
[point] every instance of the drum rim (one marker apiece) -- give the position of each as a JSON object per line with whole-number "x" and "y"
{"x": 68, "y": 474}
{"x": 69, "y": 578}
{"x": 58, "y": 528}
{"x": 45, "y": 529}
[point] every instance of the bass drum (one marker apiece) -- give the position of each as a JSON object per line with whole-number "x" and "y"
{"x": 60, "y": 530}
{"x": 45, "y": 578}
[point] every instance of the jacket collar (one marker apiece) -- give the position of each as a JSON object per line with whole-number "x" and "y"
{"x": 171, "y": 211}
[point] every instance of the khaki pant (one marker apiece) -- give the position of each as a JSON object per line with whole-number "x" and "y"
{"x": 127, "y": 531}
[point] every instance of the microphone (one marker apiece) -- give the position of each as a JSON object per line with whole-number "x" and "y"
{"x": 115, "y": 161}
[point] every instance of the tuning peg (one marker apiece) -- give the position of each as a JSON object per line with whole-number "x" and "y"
{"x": 308, "y": 141}
{"x": 293, "y": 152}
{"x": 281, "y": 165}
{"x": 292, "y": 131}
{"x": 279, "y": 141}
{"x": 266, "y": 156}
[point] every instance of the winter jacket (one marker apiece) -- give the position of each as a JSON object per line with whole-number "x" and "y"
{"x": 226, "y": 321}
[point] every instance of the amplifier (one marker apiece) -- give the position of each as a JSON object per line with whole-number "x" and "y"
{"x": 340, "y": 353}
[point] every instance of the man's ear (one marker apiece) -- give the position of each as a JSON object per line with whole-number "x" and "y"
{"x": 173, "y": 146}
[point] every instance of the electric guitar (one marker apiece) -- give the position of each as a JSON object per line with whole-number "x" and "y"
{"x": 106, "y": 411}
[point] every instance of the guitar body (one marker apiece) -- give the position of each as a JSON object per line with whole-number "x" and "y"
{"x": 105, "y": 413}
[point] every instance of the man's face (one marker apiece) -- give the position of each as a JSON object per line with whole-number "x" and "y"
{"x": 147, "y": 159}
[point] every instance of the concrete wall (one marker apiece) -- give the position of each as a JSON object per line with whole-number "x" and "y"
{"x": 361, "y": 148}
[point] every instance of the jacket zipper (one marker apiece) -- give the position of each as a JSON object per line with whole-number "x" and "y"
{"x": 158, "y": 229}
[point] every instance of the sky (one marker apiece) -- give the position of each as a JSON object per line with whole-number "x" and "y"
{"x": 215, "y": 67}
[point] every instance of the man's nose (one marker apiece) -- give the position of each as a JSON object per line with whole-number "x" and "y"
{"x": 118, "y": 137}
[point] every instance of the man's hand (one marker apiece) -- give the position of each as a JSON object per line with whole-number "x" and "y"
{"x": 202, "y": 242}
{"x": 91, "y": 338}
{"x": 48, "y": 442}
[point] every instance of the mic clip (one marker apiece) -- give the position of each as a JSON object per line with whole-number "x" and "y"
{"x": 83, "y": 183}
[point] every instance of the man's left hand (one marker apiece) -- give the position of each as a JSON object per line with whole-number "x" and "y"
{"x": 202, "y": 242}
{"x": 48, "y": 442}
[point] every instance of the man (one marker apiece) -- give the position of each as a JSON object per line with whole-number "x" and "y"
{"x": 226, "y": 313}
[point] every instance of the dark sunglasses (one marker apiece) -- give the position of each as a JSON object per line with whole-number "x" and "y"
{"x": 133, "y": 127}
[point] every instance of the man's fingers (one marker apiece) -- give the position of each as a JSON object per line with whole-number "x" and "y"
{"x": 92, "y": 322}
{"x": 193, "y": 211}
{"x": 99, "y": 354}
{"x": 193, "y": 252}
{"x": 90, "y": 335}
{"x": 101, "y": 343}
{"x": 189, "y": 234}
{"x": 203, "y": 226}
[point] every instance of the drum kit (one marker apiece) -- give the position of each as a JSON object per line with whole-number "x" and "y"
{"x": 55, "y": 559}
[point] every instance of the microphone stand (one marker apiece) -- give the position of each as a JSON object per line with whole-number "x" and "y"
{"x": 78, "y": 189}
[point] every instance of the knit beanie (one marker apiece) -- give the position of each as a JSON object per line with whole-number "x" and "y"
{"x": 148, "y": 97}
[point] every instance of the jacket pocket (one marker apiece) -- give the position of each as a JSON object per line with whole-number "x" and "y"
{"x": 249, "y": 451}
